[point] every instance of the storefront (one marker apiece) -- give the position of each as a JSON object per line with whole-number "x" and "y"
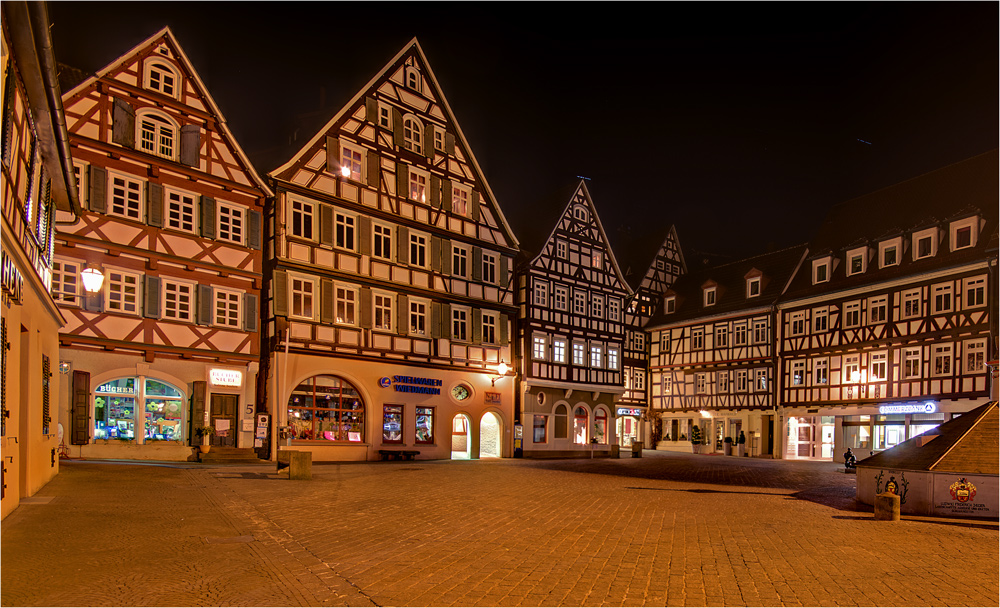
{"x": 568, "y": 424}
{"x": 714, "y": 427}
{"x": 628, "y": 419}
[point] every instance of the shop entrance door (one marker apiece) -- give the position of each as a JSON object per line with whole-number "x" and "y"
{"x": 224, "y": 408}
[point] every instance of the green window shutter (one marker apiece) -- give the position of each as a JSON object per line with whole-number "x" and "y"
{"x": 279, "y": 293}
{"x": 402, "y": 182}
{"x": 251, "y": 315}
{"x": 435, "y": 318}
{"x": 435, "y": 191}
{"x": 474, "y": 211}
{"x": 502, "y": 329}
{"x": 366, "y": 307}
{"x": 503, "y": 278}
{"x": 208, "y": 217}
{"x": 98, "y": 189}
{"x": 402, "y": 315}
{"x": 198, "y": 395}
{"x": 254, "y": 226}
{"x": 374, "y": 169}
{"x": 123, "y": 124}
{"x": 204, "y": 305}
{"x": 81, "y": 408}
{"x": 365, "y": 234}
{"x": 446, "y": 196}
{"x": 154, "y": 204}
{"x": 326, "y": 313}
{"x": 477, "y": 326}
{"x": 190, "y": 145}
{"x": 436, "y": 247}
{"x": 477, "y": 263}
{"x": 397, "y": 128}
{"x": 429, "y": 141}
{"x": 445, "y": 311}
{"x": 326, "y": 225}
{"x": 449, "y": 143}
{"x": 403, "y": 245}
{"x": 371, "y": 110}
{"x": 333, "y": 155}
{"x": 151, "y": 293}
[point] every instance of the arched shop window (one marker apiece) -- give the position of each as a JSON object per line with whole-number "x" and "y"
{"x": 580, "y": 418}
{"x": 601, "y": 426}
{"x": 152, "y": 406}
{"x": 326, "y": 408}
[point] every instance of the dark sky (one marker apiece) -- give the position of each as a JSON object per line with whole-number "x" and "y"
{"x": 738, "y": 123}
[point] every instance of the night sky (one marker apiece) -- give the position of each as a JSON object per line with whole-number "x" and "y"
{"x": 738, "y": 123}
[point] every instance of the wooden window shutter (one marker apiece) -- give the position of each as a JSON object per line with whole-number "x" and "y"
{"x": 251, "y": 314}
{"x": 477, "y": 326}
{"x": 435, "y": 191}
{"x": 93, "y": 302}
{"x": 254, "y": 226}
{"x": 190, "y": 145}
{"x": 446, "y": 257}
{"x": 279, "y": 293}
{"x": 366, "y": 307}
{"x": 371, "y": 110}
{"x": 151, "y": 297}
{"x": 449, "y": 143}
{"x": 474, "y": 211}
{"x": 365, "y": 235}
{"x": 154, "y": 204}
{"x": 445, "y": 314}
{"x": 198, "y": 396}
{"x": 326, "y": 313}
{"x": 402, "y": 182}
{"x": 397, "y": 128}
{"x": 123, "y": 124}
{"x": 374, "y": 169}
{"x": 208, "y": 217}
{"x": 403, "y": 245}
{"x": 477, "y": 263}
{"x": 205, "y": 305}
{"x": 503, "y": 278}
{"x": 98, "y": 189}
{"x": 326, "y": 225}
{"x": 435, "y": 261}
{"x": 333, "y": 155}
{"x": 81, "y": 408}
{"x": 402, "y": 315}
{"x": 446, "y": 196}
{"x": 502, "y": 329}
{"x": 429, "y": 141}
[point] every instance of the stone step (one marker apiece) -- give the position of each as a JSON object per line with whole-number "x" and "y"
{"x": 228, "y": 455}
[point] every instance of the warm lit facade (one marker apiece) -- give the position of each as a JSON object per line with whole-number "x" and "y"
{"x": 390, "y": 299}
{"x": 173, "y": 219}
{"x": 886, "y": 330}
{"x": 37, "y": 178}
{"x": 571, "y": 331}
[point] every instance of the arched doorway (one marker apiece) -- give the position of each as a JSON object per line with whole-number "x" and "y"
{"x": 489, "y": 436}
{"x": 461, "y": 437}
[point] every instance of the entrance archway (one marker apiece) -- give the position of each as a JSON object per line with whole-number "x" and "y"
{"x": 489, "y": 436}
{"x": 461, "y": 437}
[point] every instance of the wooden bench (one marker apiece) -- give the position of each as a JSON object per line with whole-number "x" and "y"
{"x": 397, "y": 454}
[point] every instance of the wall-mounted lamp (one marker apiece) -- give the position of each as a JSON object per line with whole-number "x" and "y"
{"x": 93, "y": 279}
{"x": 502, "y": 370}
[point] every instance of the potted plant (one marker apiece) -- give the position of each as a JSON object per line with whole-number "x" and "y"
{"x": 205, "y": 432}
{"x": 696, "y": 439}
{"x": 728, "y": 449}
{"x": 741, "y": 442}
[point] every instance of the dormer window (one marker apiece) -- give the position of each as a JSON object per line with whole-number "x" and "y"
{"x": 963, "y": 233}
{"x": 889, "y": 252}
{"x": 412, "y": 78}
{"x": 670, "y": 305}
{"x": 753, "y": 287}
{"x": 821, "y": 270}
{"x": 161, "y": 77}
{"x": 925, "y": 244}
{"x": 709, "y": 296}
{"x": 857, "y": 261}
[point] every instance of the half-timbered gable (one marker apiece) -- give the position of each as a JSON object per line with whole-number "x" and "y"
{"x": 390, "y": 245}
{"x": 712, "y": 355}
{"x": 173, "y": 219}
{"x": 886, "y": 331}
{"x": 572, "y": 332}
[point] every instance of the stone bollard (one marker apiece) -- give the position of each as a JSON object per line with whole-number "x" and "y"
{"x": 299, "y": 464}
{"x": 886, "y": 507}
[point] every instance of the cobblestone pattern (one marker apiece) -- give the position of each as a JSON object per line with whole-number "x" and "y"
{"x": 666, "y": 529}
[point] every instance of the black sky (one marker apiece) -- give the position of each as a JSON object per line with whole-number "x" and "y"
{"x": 738, "y": 123}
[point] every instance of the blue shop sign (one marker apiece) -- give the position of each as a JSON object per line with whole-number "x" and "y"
{"x": 412, "y": 384}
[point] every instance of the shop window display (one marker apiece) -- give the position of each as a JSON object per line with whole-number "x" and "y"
{"x": 601, "y": 426}
{"x": 392, "y": 424}
{"x": 580, "y": 418}
{"x": 118, "y": 403}
{"x": 326, "y": 408}
{"x": 425, "y": 425}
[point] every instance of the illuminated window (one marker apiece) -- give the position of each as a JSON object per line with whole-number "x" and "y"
{"x": 612, "y": 358}
{"x": 392, "y": 424}
{"x": 579, "y": 354}
{"x": 459, "y": 200}
{"x": 559, "y": 350}
{"x": 424, "y": 434}
{"x": 821, "y": 371}
{"x": 326, "y": 408}
{"x": 798, "y": 373}
{"x": 596, "y": 356}
{"x": 761, "y": 382}
{"x": 877, "y": 367}
{"x": 539, "y": 429}
{"x": 580, "y": 420}
{"x": 601, "y": 426}
{"x": 418, "y": 186}
{"x": 539, "y": 348}
{"x": 351, "y": 159}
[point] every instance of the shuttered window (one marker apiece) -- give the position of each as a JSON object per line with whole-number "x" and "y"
{"x": 227, "y": 308}
{"x": 231, "y": 222}
{"x": 126, "y": 196}
{"x": 178, "y": 301}
{"x": 180, "y": 210}
{"x": 122, "y": 292}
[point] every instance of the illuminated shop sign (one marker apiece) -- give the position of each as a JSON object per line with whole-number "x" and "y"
{"x": 226, "y": 377}
{"x": 908, "y": 408}
{"x": 114, "y": 388}
{"x": 13, "y": 282}
{"x": 412, "y": 384}
{"x": 629, "y": 411}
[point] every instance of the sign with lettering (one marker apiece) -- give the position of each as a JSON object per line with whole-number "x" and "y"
{"x": 908, "y": 408}
{"x": 629, "y": 411}
{"x": 225, "y": 377}
{"x": 13, "y": 282}
{"x": 412, "y": 384}
{"x": 491, "y": 398}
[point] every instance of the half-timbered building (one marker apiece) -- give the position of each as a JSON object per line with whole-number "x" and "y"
{"x": 170, "y": 343}
{"x": 571, "y": 334}
{"x": 886, "y": 329}
{"x": 390, "y": 300}
{"x": 712, "y": 353}
{"x": 37, "y": 181}
{"x": 632, "y": 405}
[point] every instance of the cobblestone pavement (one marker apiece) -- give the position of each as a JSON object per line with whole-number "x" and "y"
{"x": 666, "y": 529}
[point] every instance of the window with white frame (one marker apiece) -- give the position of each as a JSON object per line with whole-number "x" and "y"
{"x": 852, "y": 368}
{"x": 382, "y": 306}
{"x": 670, "y": 305}
{"x": 489, "y": 267}
{"x": 579, "y": 353}
{"x": 975, "y": 356}
{"x": 345, "y": 302}
{"x": 614, "y": 309}
{"x": 697, "y": 338}
{"x": 852, "y": 314}
{"x": 580, "y": 213}
{"x": 761, "y": 379}
{"x": 438, "y": 139}
{"x": 596, "y": 260}
{"x": 460, "y": 200}
{"x": 459, "y": 261}
{"x": 911, "y": 363}
{"x": 925, "y": 243}
{"x": 489, "y": 327}
{"x": 382, "y": 241}
{"x": 459, "y": 324}
{"x": 343, "y": 229}
{"x": 665, "y": 342}
{"x": 798, "y": 373}
{"x": 797, "y": 323}
{"x": 723, "y": 382}
{"x": 963, "y": 233}
{"x": 80, "y": 176}
{"x": 122, "y": 295}
{"x": 821, "y": 271}
{"x": 700, "y": 387}
{"x": 180, "y": 210}
{"x": 975, "y": 292}
{"x": 878, "y": 367}
{"x": 667, "y": 384}
{"x": 579, "y": 302}
{"x": 740, "y": 333}
{"x": 760, "y": 331}
{"x": 753, "y": 287}
{"x": 889, "y": 252}
{"x": 539, "y": 347}
{"x": 821, "y": 371}
{"x": 413, "y": 134}
{"x": 540, "y": 295}
{"x": 721, "y": 336}
{"x": 303, "y": 291}
{"x": 157, "y": 134}
{"x": 303, "y": 214}
{"x": 597, "y": 307}
{"x": 227, "y": 307}
{"x": 126, "y": 196}
{"x": 638, "y": 341}
{"x": 708, "y": 296}
{"x": 418, "y": 185}
{"x": 560, "y": 296}
{"x": 65, "y": 282}
{"x": 942, "y": 298}
{"x": 877, "y": 309}
{"x": 911, "y": 304}
{"x": 857, "y": 260}
{"x": 941, "y": 358}
{"x": 612, "y": 358}
{"x": 596, "y": 356}
{"x": 161, "y": 77}
{"x": 418, "y": 317}
{"x": 418, "y": 250}
{"x": 178, "y": 300}
{"x": 384, "y": 116}
{"x": 821, "y": 319}
{"x": 559, "y": 350}
{"x": 231, "y": 222}
{"x": 561, "y": 249}
{"x": 351, "y": 161}
{"x": 741, "y": 380}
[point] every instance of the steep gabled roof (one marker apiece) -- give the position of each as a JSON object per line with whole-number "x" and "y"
{"x": 165, "y": 35}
